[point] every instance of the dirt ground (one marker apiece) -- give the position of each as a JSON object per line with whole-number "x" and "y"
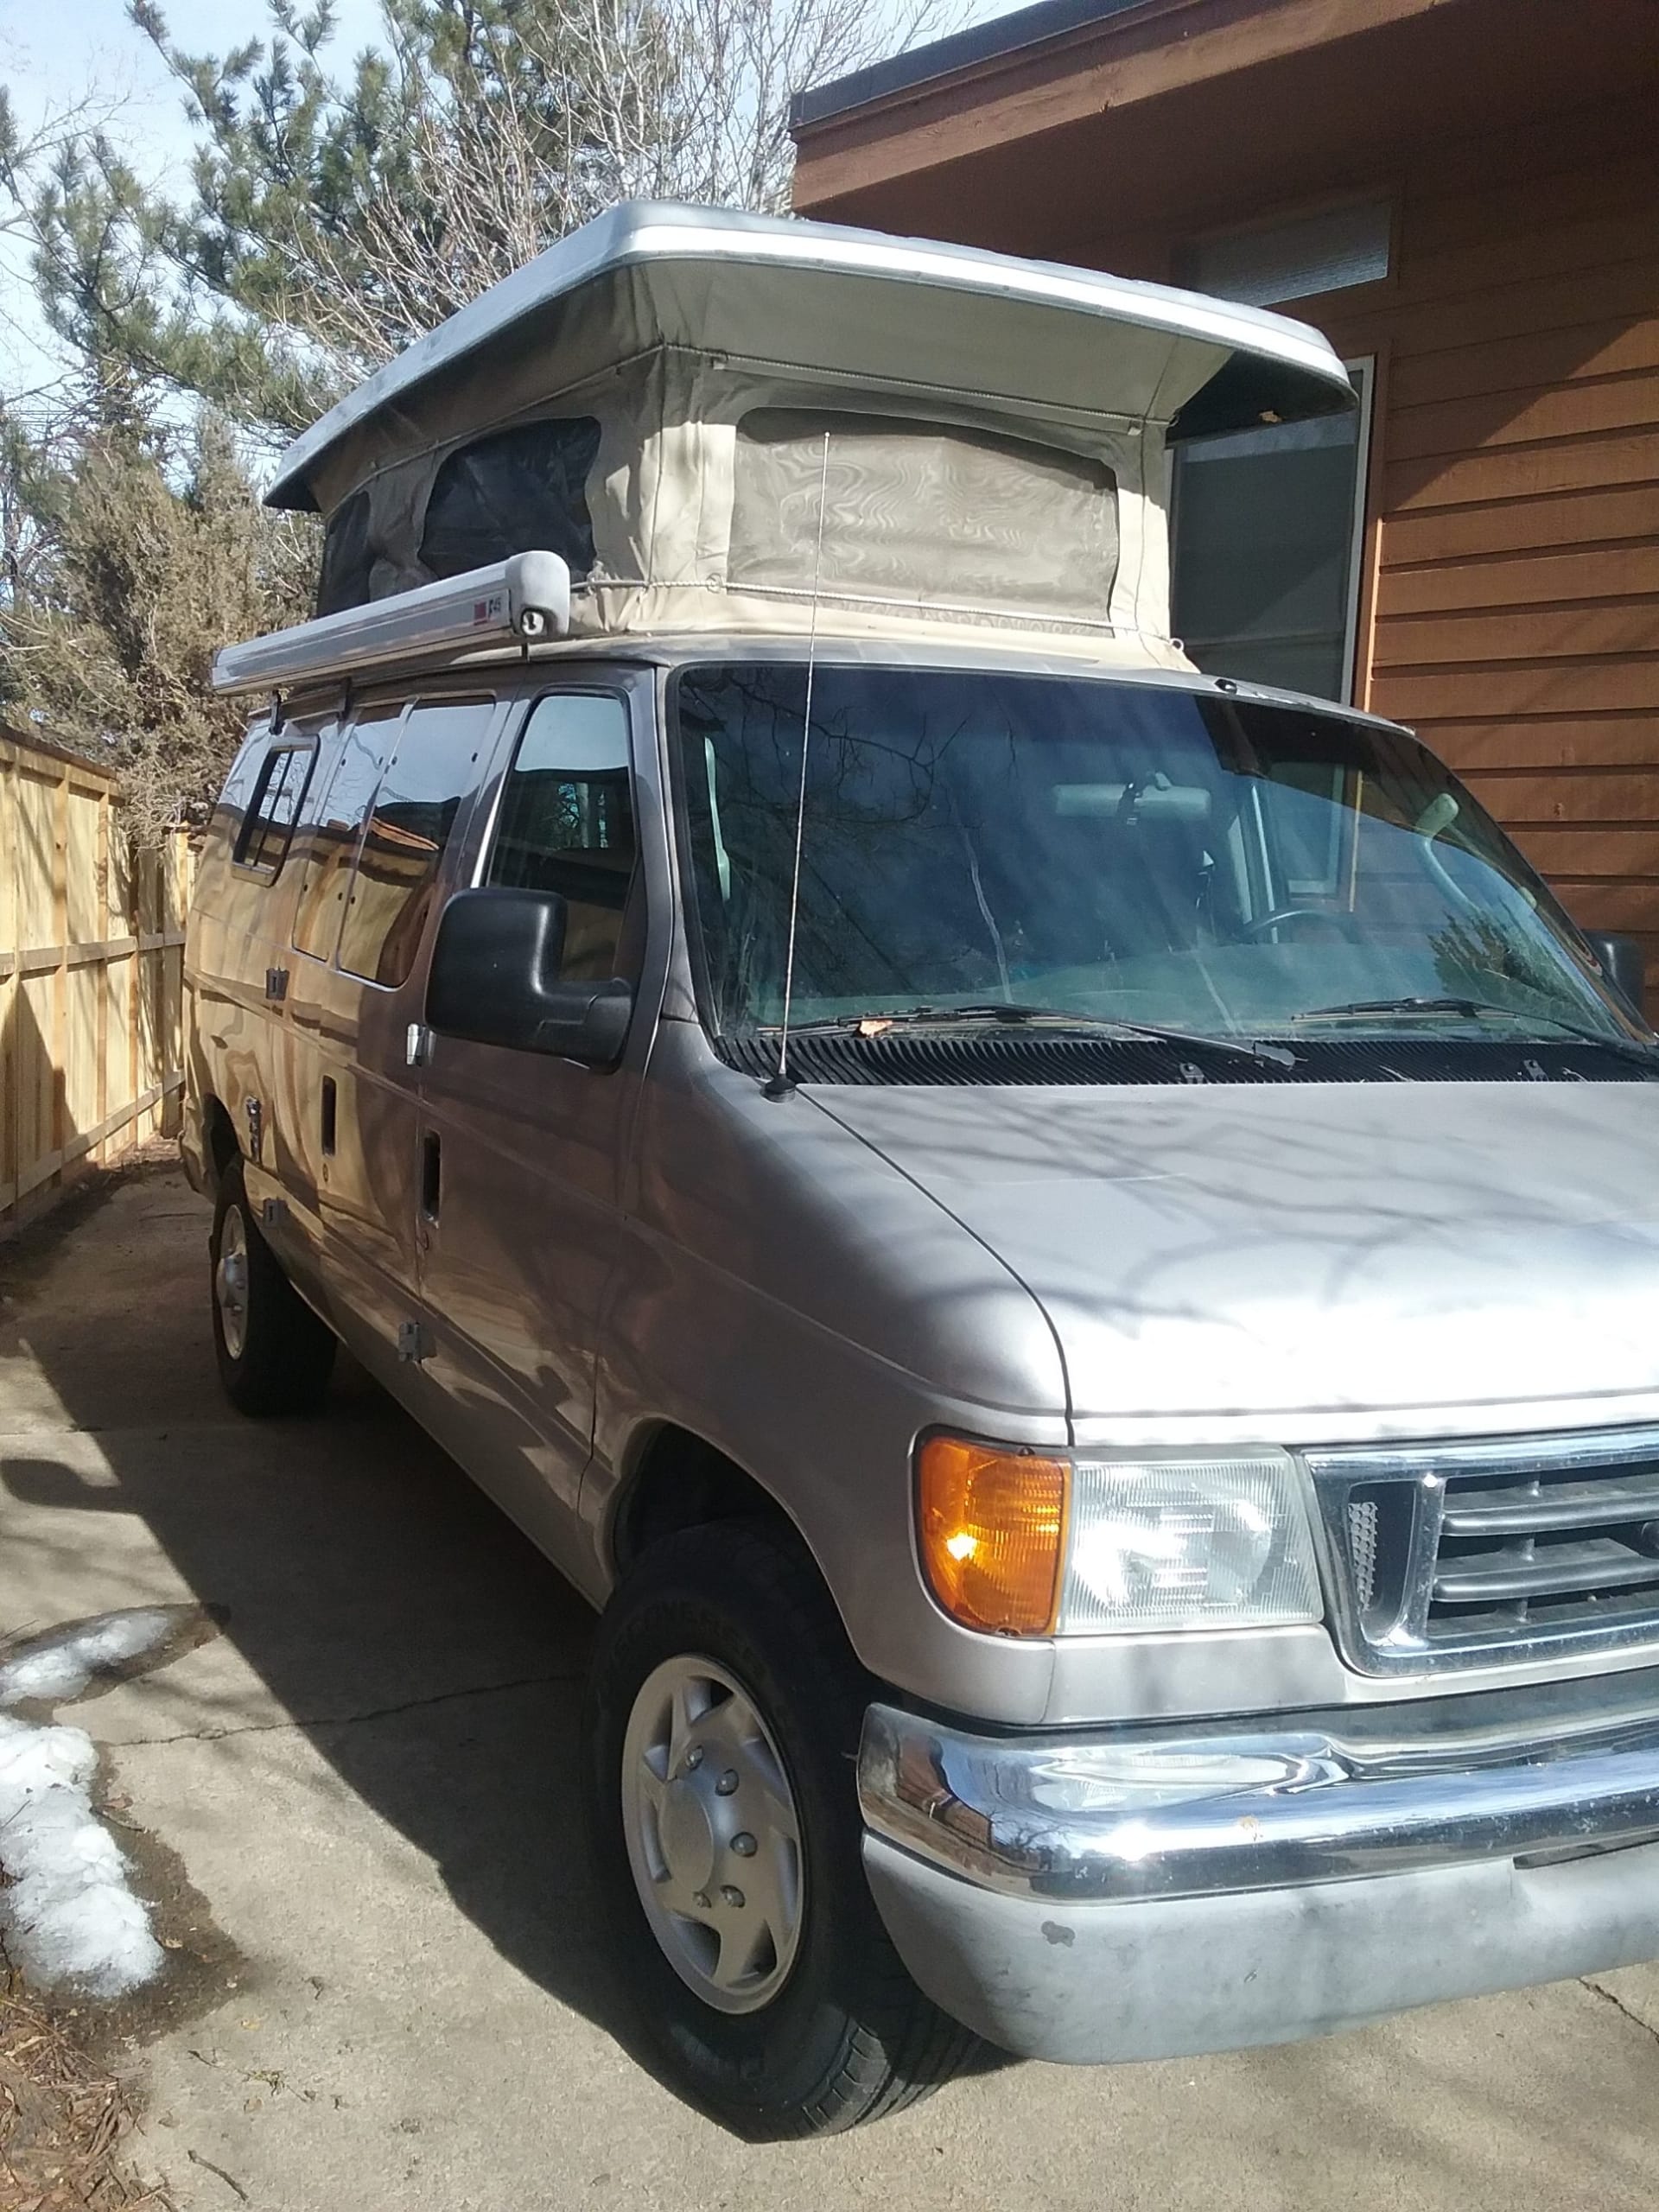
{"x": 353, "y": 1811}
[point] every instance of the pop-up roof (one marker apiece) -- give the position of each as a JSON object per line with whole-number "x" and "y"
{"x": 717, "y": 418}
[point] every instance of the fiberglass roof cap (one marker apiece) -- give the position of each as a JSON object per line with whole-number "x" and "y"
{"x": 1272, "y": 369}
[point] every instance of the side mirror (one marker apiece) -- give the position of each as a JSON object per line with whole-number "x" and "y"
{"x": 495, "y": 980}
{"x": 1623, "y": 963}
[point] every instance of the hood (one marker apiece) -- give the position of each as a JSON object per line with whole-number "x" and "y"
{"x": 1320, "y": 1250}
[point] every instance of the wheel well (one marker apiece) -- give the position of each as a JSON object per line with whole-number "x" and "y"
{"x": 683, "y": 1482}
{"x": 219, "y": 1133}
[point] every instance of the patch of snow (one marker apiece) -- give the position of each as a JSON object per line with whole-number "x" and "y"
{"x": 71, "y": 1919}
{"x": 59, "y": 1665}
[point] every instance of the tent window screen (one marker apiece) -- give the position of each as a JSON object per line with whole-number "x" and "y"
{"x": 347, "y": 557}
{"x": 403, "y": 840}
{"x": 521, "y": 491}
{"x": 1266, "y": 539}
{"x": 921, "y": 514}
{"x": 565, "y": 824}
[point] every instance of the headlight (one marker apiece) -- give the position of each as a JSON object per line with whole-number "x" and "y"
{"x": 1026, "y": 1545}
{"x": 1187, "y": 1543}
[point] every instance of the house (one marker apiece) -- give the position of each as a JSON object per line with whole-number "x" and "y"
{"x": 1463, "y": 195}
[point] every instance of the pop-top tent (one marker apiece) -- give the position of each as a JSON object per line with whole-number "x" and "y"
{"x": 716, "y": 419}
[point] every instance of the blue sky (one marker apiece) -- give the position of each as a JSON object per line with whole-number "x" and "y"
{"x": 53, "y": 52}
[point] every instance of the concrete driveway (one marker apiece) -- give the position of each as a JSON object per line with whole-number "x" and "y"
{"x": 354, "y": 1809}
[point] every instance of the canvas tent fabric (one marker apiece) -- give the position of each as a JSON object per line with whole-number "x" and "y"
{"x": 744, "y": 423}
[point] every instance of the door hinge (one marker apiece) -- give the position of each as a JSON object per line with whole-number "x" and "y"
{"x": 413, "y": 1344}
{"x": 256, "y": 1114}
{"x": 418, "y": 1044}
{"x": 276, "y": 983}
{"x": 273, "y": 1212}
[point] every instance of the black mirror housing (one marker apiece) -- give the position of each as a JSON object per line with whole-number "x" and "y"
{"x": 495, "y": 979}
{"x": 1623, "y": 963}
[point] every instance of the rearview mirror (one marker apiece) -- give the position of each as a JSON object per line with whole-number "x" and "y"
{"x": 495, "y": 980}
{"x": 1623, "y": 963}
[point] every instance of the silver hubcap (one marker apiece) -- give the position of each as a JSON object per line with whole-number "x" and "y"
{"x": 713, "y": 1835}
{"x": 230, "y": 1281}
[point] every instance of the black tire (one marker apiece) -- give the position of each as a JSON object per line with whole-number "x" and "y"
{"x": 286, "y": 1354}
{"x": 849, "y": 2036}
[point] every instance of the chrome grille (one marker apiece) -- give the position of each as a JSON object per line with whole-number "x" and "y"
{"x": 1473, "y": 1554}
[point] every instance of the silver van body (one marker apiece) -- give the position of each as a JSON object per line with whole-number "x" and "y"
{"x": 1429, "y": 1306}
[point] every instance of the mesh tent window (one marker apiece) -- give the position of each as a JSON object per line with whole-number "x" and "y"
{"x": 921, "y": 513}
{"x": 347, "y": 557}
{"x": 514, "y": 491}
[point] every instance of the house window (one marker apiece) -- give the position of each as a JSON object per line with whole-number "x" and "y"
{"x": 1266, "y": 528}
{"x": 1329, "y": 251}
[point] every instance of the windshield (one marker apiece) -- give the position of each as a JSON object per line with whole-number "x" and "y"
{"x": 1104, "y": 850}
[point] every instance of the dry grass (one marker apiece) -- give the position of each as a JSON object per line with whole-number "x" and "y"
{"x": 63, "y": 2119}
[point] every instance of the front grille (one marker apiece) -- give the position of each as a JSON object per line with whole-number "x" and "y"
{"x": 1469, "y": 1555}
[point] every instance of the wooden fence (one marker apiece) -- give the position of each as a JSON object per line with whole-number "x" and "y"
{"x": 91, "y": 958}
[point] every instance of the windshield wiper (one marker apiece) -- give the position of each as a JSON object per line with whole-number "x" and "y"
{"x": 1630, "y": 1048}
{"x": 1250, "y": 1048}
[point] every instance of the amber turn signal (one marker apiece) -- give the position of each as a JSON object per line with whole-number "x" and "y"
{"x": 992, "y": 1525}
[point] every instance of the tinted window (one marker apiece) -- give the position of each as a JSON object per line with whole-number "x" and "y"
{"x": 275, "y": 807}
{"x": 521, "y": 490}
{"x": 408, "y": 829}
{"x": 331, "y": 835}
{"x": 565, "y": 824}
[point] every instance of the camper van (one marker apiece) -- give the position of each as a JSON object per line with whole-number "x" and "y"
{"x": 1061, "y": 1244}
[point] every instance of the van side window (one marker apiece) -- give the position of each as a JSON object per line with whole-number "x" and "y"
{"x": 565, "y": 824}
{"x": 434, "y": 765}
{"x": 274, "y": 806}
{"x": 332, "y": 837}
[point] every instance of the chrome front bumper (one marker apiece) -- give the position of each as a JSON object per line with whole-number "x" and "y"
{"x": 1138, "y": 1894}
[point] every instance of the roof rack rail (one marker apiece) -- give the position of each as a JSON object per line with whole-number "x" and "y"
{"x": 514, "y": 601}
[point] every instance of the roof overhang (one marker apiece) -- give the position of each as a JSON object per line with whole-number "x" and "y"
{"x": 1073, "y": 121}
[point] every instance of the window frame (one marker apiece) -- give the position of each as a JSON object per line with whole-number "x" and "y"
{"x": 476, "y": 876}
{"x": 345, "y": 725}
{"x": 277, "y": 744}
{"x": 491, "y": 704}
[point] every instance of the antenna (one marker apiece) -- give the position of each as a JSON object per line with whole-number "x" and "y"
{"x": 780, "y": 1085}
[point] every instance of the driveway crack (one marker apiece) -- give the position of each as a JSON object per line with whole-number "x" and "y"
{"x": 213, "y": 1734}
{"x": 1620, "y": 2006}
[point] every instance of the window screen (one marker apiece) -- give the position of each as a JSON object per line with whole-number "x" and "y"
{"x": 347, "y": 557}
{"x": 565, "y": 824}
{"x": 922, "y": 513}
{"x": 275, "y": 807}
{"x": 1265, "y": 543}
{"x": 404, "y": 842}
{"x": 330, "y": 839}
{"x": 517, "y": 492}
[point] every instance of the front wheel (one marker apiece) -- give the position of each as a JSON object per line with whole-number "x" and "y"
{"x": 721, "y": 1726}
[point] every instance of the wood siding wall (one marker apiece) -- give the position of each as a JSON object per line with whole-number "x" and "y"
{"x": 91, "y": 951}
{"x": 1513, "y": 568}
{"x": 1510, "y": 601}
